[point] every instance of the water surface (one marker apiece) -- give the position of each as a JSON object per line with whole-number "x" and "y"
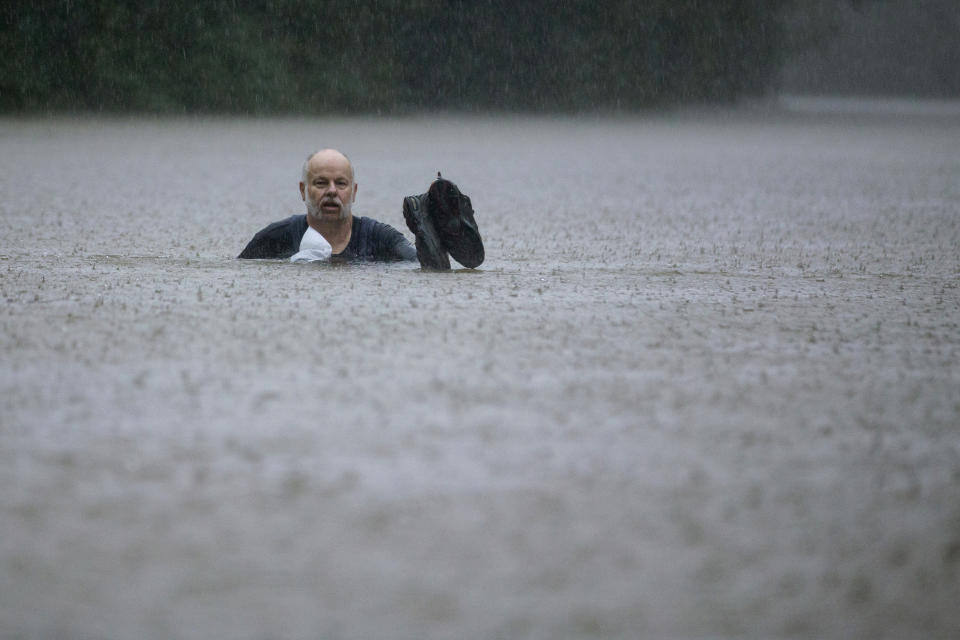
{"x": 704, "y": 385}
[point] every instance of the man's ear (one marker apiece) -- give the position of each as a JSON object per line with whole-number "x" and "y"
{"x": 355, "y": 188}
{"x": 303, "y": 192}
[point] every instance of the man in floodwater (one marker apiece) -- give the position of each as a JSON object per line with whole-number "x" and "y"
{"x": 329, "y": 227}
{"x": 441, "y": 219}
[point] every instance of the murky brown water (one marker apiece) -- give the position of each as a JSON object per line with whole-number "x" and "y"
{"x": 705, "y": 384}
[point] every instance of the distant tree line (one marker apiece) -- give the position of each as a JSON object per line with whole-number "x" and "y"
{"x": 388, "y": 56}
{"x": 879, "y": 47}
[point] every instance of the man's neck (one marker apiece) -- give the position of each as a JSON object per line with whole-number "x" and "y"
{"x": 336, "y": 232}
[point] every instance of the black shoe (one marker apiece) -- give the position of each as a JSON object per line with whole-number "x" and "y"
{"x": 452, "y": 216}
{"x": 430, "y": 249}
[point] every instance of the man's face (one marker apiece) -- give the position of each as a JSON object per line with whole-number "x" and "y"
{"x": 329, "y": 191}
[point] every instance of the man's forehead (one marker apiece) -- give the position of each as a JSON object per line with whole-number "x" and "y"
{"x": 329, "y": 161}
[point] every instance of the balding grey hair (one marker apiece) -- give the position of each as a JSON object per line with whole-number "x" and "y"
{"x": 305, "y": 174}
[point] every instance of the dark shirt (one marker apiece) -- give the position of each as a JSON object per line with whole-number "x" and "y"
{"x": 369, "y": 240}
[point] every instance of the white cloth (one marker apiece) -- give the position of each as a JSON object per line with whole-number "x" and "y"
{"x": 313, "y": 248}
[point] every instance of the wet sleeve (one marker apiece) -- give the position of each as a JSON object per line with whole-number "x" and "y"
{"x": 392, "y": 245}
{"x": 403, "y": 248}
{"x": 272, "y": 241}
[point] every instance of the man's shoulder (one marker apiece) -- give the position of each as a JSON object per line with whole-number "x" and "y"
{"x": 278, "y": 239}
{"x": 372, "y": 225}
{"x": 379, "y": 231}
{"x": 381, "y": 241}
{"x": 286, "y": 223}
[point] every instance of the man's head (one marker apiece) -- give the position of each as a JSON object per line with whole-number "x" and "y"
{"x": 327, "y": 186}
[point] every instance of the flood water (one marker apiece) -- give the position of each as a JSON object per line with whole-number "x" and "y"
{"x": 704, "y": 385}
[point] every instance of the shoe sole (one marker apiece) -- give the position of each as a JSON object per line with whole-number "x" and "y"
{"x": 430, "y": 251}
{"x": 452, "y": 211}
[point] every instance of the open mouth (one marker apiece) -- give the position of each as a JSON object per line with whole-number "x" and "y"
{"x": 330, "y": 205}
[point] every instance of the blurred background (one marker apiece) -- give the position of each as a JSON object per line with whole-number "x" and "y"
{"x": 399, "y": 56}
